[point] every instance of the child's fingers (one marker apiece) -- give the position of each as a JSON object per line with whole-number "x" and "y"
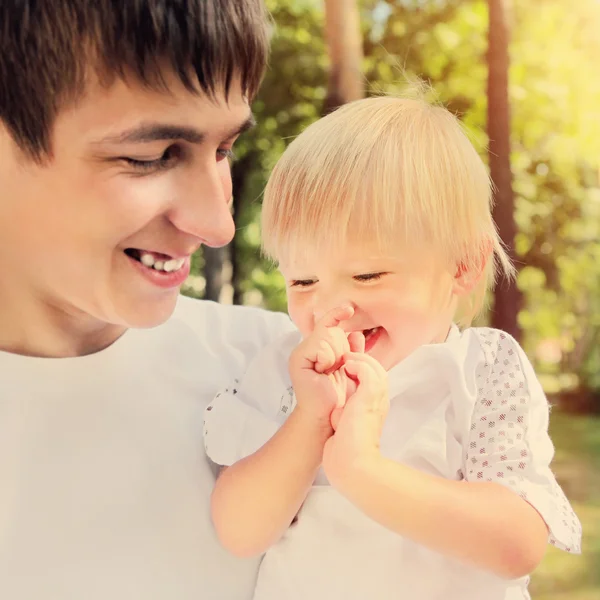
{"x": 325, "y": 357}
{"x": 370, "y": 376}
{"x": 335, "y": 316}
{"x": 356, "y": 341}
{"x": 336, "y": 415}
{"x": 351, "y": 387}
{"x": 339, "y": 381}
{"x": 361, "y": 357}
{"x": 323, "y": 350}
{"x": 361, "y": 371}
{"x": 337, "y": 342}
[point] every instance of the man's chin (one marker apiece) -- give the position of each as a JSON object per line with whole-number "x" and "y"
{"x": 146, "y": 315}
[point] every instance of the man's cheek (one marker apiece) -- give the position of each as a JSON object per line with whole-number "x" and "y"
{"x": 226, "y": 182}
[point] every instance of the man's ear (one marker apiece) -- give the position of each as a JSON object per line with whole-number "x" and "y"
{"x": 469, "y": 273}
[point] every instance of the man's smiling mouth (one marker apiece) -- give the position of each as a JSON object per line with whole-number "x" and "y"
{"x": 155, "y": 260}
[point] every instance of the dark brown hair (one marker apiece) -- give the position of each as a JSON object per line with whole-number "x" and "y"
{"x": 48, "y": 46}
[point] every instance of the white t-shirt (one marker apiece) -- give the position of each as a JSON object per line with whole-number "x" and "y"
{"x": 468, "y": 409}
{"x": 104, "y": 484}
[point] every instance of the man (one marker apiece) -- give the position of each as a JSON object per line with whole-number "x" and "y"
{"x": 117, "y": 120}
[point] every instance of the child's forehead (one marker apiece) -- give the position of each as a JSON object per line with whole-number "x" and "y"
{"x": 350, "y": 255}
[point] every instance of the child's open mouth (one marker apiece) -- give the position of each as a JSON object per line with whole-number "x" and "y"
{"x": 155, "y": 260}
{"x": 371, "y": 337}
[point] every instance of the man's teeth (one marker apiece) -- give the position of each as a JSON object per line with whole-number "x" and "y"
{"x": 168, "y": 266}
{"x": 147, "y": 259}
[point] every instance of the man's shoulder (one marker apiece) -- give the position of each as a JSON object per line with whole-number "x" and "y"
{"x": 241, "y": 326}
{"x": 193, "y": 311}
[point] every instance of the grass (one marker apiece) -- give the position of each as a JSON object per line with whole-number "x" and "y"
{"x": 562, "y": 576}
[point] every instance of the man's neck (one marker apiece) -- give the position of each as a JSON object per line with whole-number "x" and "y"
{"x": 33, "y": 328}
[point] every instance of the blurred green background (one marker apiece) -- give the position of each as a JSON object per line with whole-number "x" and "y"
{"x": 554, "y": 97}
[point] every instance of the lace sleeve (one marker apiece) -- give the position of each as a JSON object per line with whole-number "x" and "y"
{"x": 509, "y": 442}
{"x": 243, "y": 417}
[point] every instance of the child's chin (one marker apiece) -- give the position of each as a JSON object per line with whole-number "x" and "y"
{"x": 389, "y": 360}
{"x": 383, "y": 358}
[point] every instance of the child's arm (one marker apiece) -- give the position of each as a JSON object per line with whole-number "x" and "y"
{"x": 255, "y": 500}
{"x": 484, "y": 523}
{"x": 481, "y": 522}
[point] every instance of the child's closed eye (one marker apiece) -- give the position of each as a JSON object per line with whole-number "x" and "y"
{"x": 302, "y": 282}
{"x": 369, "y": 276}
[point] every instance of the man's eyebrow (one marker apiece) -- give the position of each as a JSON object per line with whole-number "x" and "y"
{"x": 156, "y": 132}
{"x": 249, "y": 123}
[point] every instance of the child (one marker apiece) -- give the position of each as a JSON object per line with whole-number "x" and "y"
{"x": 382, "y": 452}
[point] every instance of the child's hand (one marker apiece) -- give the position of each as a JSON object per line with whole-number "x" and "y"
{"x": 359, "y": 424}
{"x": 316, "y": 367}
{"x": 357, "y": 345}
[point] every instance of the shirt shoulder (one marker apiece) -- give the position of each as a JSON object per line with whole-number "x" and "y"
{"x": 509, "y": 442}
{"x": 493, "y": 343}
{"x": 502, "y": 360}
{"x": 247, "y": 329}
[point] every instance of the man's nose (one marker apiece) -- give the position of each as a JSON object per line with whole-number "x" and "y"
{"x": 202, "y": 208}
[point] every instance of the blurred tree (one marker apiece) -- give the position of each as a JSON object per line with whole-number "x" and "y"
{"x": 214, "y": 261}
{"x": 555, "y": 146}
{"x": 556, "y": 161}
{"x": 345, "y": 49}
{"x": 507, "y": 297}
{"x": 239, "y": 174}
{"x": 290, "y": 99}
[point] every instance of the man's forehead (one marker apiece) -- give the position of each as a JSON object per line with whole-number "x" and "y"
{"x": 130, "y": 112}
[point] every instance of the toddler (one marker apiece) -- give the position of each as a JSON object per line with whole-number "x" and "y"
{"x": 387, "y": 449}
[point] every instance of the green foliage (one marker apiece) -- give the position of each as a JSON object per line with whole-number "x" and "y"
{"x": 555, "y": 103}
{"x": 564, "y": 576}
{"x": 290, "y": 99}
{"x": 556, "y": 157}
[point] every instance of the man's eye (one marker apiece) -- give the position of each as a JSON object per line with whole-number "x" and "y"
{"x": 302, "y": 282}
{"x": 369, "y": 276}
{"x": 162, "y": 162}
{"x": 223, "y": 153}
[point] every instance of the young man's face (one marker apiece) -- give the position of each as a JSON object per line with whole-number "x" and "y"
{"x": 138, "y": 180}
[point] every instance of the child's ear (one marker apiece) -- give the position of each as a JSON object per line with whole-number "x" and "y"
{"x": 468, "y": 276}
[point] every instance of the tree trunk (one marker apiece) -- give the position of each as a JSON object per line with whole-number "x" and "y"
{"x": 214, "y": 260}
{"x": 239, "y": 176}
{"x": 507, "y": 297}
{"x": 344, "y": 43}
{"x": 236, "y": 271}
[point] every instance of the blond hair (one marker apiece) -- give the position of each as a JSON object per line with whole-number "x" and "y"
{"x": 396, "y": 171}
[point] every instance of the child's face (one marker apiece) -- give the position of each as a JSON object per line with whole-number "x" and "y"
{"x": 401, "y": 300}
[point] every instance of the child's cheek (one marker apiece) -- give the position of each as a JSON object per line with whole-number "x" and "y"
{"x": 301, "y": 315}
